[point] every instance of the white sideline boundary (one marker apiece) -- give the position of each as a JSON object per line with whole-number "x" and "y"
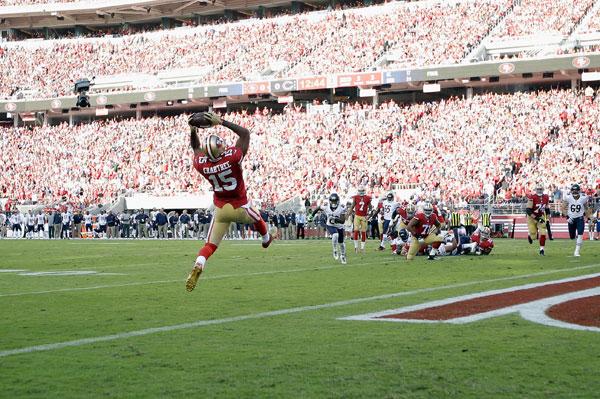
{"x": 218, "y": 277}
{"x": 201, "y": 323}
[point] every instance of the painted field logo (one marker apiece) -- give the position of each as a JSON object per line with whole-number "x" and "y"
{"x": 568, "y": 303}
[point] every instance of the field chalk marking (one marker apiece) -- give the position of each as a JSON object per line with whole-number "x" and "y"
{"x": 201, "y": 323}
{"x": 223, "y": 276}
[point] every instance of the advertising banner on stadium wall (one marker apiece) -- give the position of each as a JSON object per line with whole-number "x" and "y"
{"x": 390, "y": 77}
{"x": 284, "y": 85}
{"x": 257, "y": 87}
{"x": 230, "y": 89}
{"x": 499, "y": 68}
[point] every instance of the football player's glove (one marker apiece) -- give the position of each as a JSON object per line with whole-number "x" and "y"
{"x": 213, "y": 118}
{"x": 570, "y": 220}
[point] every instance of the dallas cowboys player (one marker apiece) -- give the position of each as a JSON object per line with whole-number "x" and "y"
{"x": 336, "y": 215}
{"x": 574, "y": 206}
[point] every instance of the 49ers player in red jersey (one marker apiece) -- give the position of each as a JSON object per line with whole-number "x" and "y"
{"x": 222, "y": 167}
{"x": 424, "y": 227}
{"x": 537, "y": 214}
{"x": 361, "y": 206}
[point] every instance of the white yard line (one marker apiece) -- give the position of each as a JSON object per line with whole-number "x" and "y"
{"x": 218, "y": 277}
{"x": 201, "y": 323}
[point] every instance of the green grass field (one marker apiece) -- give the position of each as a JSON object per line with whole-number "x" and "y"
{"x": 238, "y": 346}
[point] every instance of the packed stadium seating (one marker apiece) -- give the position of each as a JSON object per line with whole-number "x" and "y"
{"x": 543, "y": 17}
{"x": 27, "y": 2}
{"x": 548, "y": 136}
{"x": 408, "y": 34}
{"x": 315, "y": 43}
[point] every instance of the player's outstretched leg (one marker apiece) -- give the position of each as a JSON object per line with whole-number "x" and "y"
{"x": 207, "y": 250}
{"x": 542, "y": 244}
{"x": 342, "y": 245}
{"x": 334, "y": 245}
{"x": 578, "y": 244}
{"x": 363, "y": 241}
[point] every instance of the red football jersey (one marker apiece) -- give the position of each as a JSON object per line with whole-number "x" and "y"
{"x": 403, "y": 214}
{"x": 361, "y": 204}
{"x": 424, "y": 224}
{"x": 225, "y": 175}
{"x": 485, "y": 245}
{"x": 538, "y": 204}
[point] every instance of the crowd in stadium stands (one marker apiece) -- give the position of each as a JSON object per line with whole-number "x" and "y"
{"x": 4, "y": 3}
{"x": 455, "y": 150}
{"x": 593, "y": 24}
{"x": 309, "y": 43}
{"x": 531, "y": 17}
{"x": 444, "y": 34}
{"x": 343, "y": 40}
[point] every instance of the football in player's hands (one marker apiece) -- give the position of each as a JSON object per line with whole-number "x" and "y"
{"x": 199, "y": 120}
{"x": 204, "y": 119}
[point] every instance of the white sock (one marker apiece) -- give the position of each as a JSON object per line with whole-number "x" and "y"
{"x": 355, "y": 244}
{"x": 200, "y": 260}
{"x": 362, "y": 245}
{"x": 266, "y": 237}
{"x": 383, "y": 240}
{"x": 343, "y": 246}
{"x": 541, "y": 248}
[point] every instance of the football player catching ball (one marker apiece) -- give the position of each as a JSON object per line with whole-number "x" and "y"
{"x": 222, "y": 167}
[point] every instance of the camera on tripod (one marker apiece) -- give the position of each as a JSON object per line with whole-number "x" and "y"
{"x": 82, "y": 86}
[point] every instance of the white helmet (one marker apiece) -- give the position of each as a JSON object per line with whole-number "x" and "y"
{"x": 361, "y": 190}
{"x": 214, "y": 146}
{"x": 539, "y": 189}
{"x": 427, "y": 209}
{"x": 485, "y": 232}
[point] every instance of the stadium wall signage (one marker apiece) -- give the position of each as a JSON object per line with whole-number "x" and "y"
{"x": 375, "y": 78}
{"x": 572, "y": 303}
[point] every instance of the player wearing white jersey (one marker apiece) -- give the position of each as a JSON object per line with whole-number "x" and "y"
{"x": 575, "y": 207}
{"x": 41, "y": 220}
{"x": 15, "y": 220}
{"x": 387, "y": 207}
{"x": 336, "y": 216}
{"x": 30, "y": 223}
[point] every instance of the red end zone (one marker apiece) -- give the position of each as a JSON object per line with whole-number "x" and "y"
{"x": 570, "y": 303}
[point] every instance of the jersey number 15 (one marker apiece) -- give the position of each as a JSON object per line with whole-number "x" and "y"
{"x": 223, "y": 181}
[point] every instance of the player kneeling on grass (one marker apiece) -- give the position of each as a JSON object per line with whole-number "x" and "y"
{"x": 480, "y": 242}
{"x": 222, "y": 167}
{"x": 575, "y": 207}
{"x": 423, "y": 228}
{"x": 336, "y": 216}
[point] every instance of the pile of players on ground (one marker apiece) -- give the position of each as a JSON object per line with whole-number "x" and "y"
{"x": 422, "y": 228}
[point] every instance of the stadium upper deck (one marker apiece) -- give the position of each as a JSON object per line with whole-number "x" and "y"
{"x": 410, "y": 34}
